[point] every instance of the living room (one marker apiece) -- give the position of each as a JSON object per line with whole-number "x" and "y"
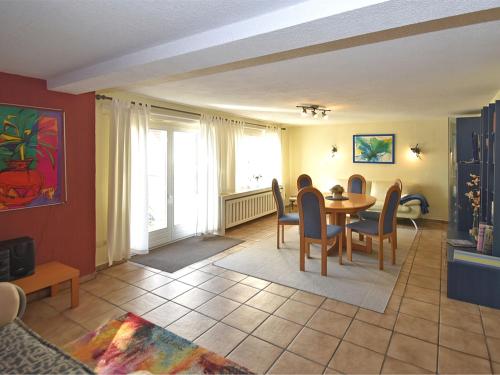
{"x": 137, "y": 169}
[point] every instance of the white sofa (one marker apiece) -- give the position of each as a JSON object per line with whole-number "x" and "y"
{"x": 378, "y": 188}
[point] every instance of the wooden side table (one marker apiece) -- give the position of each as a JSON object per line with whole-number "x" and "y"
{"x": 52, "y": 274}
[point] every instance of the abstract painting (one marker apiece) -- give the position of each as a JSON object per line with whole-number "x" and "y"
{"x": 373, "y": 148}
{"x": 32, "y": 163}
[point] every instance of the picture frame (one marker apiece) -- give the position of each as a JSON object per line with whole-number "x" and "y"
{"x": 32, "y": 157}
{"x": 373, "y": 148}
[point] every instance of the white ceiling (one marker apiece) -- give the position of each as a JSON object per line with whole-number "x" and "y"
{"x": 429, "y": 75}
{"x": 368, "y": 60}
{"x": 42, "y": 38}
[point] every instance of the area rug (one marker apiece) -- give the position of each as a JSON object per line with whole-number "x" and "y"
{"x": 359, "y": 283}
{"x": 132, "y": 344}
{"x": 177, "y": 255}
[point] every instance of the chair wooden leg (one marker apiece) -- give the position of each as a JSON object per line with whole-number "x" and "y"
{"x": 324, "y": 254}
{"x": 395, "y": 239}
{"x": 369, "y": 244}
{"x": 341, "y": 246}
{"x": 278, "y": 237}
{"x": 282, "y": 234}
{"x": 302, "y": 254}
{"x": 381, "y": 253}
{"x": 349, "y": 243}
{"x": 393, "y": 246}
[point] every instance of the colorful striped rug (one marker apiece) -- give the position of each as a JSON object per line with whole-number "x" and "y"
{"x": 130, "y": 344}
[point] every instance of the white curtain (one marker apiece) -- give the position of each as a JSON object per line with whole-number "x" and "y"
{"x": 127, "y": 181}
{"x": 272, "y": 144}
{"x": 216, "y": 174}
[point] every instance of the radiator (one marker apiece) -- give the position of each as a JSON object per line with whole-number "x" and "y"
{"x": 239, "y": 208}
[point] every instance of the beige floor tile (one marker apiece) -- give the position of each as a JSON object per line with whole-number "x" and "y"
{"x": 135, "y": 275}
{"x": 422, "y": 294}
{"x": 221, "y": 339}
{"x": 179, "y": 273}
{"x": 394, "y": 366}
{"x": 385, "y": 320}
{"x": 245, "y": 318}
{"x": 38, "y": 311}
{"x": 255, "y": 282}
{"x": 217, "y": 284}
{"x": 120, "y": 269}
{"x": 462, "y": 320}
{"x": 196, "y": 278}
{"x": 425, "y": 271}
{"x": 218, "y": 307}
{"x": 123, "y": 295}
{"x": 94, "y": 323}
{"x": 297, "y": 312}
{"x": 232, "y": 275}
{"x": 194, "y": 298}
{"x": 290, "y": 363}
{"x": 89, "y": 309}
{"x": 240, "y": 292}
{"x": 102, "y": 285}
{"x": 172, "y": 290}
{"x": 354, "y": 359}
{"x": 329, "y": 322}
{"x": 153, "y": 282}
{"x": 316, "y": 346}
{"x": 166, "y": 314}
{"x": 399, "y": 289}
{"x": 368, "y": 336}
{"x": 62, "y": 300}
{"x": 491, "y": 324}
{"x": 143, "y": 304}
{"x": 454, "y": 304}
{"x": 394, "y": 303}
{"x": 463, "y": 341}
{"x": 496, "y": 367}
{"x": 453, "y": 362}
{"x": 255, "y": 354}
{"x": 192, "y": 325}
{"x": 414, "y": 351}
{"x": 419, "y": 309}
{"x": 417, "y": 327}
{"x": 277, "y": 331}
{"x": 280, "y": 290}
{"x": 339, "y": 307}
{"x": 424, "y": 282}
{"x": 308, "y": 298}
{"x": 494, "y": 347}
{"x": 266, "y": 301}
{"x": 63, "y": 331}
{"x": 214, "y": 270}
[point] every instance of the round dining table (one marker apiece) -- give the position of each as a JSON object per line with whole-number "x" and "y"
{"x": 338, "y": 209}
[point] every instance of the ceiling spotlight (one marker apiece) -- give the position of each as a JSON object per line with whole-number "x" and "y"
{"x": 304, "y": 112}
{"x": 324, "y": 115}
{"x": 314, "y": 113}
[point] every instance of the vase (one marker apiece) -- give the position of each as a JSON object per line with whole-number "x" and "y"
{"x": 475, "y": 224}
{"x": 19, "y": 185}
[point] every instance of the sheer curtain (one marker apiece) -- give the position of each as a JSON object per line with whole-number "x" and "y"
{"x": 272, "y": 141}
{"x": 216, "y": 173}
{"x": 127, "y": 181}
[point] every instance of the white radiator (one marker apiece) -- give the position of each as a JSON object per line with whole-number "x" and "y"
{"x": 239, "y": 208}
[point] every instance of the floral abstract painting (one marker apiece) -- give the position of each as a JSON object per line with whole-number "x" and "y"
{"x": 373, "y": 148}
{"x": 32, "y": 164}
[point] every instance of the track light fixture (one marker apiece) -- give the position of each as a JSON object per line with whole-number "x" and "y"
{"x": 314, "y": 110}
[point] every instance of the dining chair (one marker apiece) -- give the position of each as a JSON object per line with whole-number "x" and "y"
{"x": 303, "y": 181}
{"x": 313, "y": 227}
{"x": 356, "y": 184}
{"x": 283, "y": 218}
{"x": 385, "y": 227}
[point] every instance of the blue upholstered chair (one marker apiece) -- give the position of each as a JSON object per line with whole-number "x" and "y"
{"x": 303, "y": 181}
{"x": 384, "y": 228}
{"x": 283, "y": 218}
{"x": 313, "y": 227}
{"x": 356, "y": 184}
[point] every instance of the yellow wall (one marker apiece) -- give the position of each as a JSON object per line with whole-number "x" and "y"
{"x": 309, "y": 152}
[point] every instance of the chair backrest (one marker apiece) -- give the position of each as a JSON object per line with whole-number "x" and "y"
{"x": 400, "y": 184}
{"x": 387, "y": 220}
{"x": 356, "y": 184}
{"x": 312, "y": 217}
{"x": 303, "y": 181}
{"x": 278, "y": 199}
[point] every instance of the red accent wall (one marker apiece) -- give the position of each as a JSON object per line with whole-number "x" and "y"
{"x": 66, "y": 232}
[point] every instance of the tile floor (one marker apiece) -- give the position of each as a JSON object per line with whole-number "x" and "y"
{"x": 273, "y": 328}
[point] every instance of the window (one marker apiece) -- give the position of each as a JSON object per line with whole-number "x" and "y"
{"x": 258, "y": 158}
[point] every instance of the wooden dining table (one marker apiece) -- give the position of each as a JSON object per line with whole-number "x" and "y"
{"x": 337, "y": 210}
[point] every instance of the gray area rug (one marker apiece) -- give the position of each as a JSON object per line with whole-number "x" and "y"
{"x": 359, "y": 283}
{"x": 177, "y": 255}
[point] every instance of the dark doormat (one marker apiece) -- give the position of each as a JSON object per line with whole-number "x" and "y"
{"x": 177, "y": 255}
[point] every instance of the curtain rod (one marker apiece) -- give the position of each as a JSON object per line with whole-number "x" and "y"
{"x": 104, "y": 97}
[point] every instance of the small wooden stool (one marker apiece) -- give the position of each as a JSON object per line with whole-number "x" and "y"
{"x": 52, "y": 274}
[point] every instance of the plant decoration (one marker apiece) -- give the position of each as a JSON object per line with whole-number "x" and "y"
{"x": 337, "y": 191}
{"x": 474, "y": 196}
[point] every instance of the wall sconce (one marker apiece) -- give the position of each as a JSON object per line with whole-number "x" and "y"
{"x": 417, "y": 151}
{"x": 334, "y": 151}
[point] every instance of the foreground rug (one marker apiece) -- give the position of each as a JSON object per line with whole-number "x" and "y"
{"x": 177, "y": 255}
{"x": 359, "y": 283}
{"x": 130, "y": 344}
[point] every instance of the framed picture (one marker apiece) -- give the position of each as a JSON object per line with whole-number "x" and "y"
{"x": 32, "y": 164}
{"x": 373, "y": 148}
